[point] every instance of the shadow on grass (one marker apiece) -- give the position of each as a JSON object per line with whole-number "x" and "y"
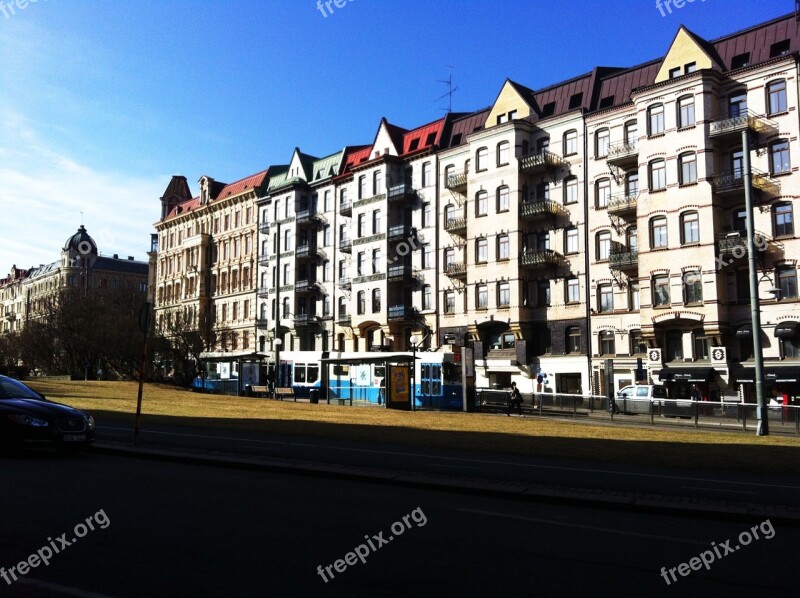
{"x": 683, "y": 455}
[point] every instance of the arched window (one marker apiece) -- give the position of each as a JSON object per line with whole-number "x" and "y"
{"x": 361, "y": 305}
{"x": 685, "y": 114}
{"x": 607, "y": 344}
{"x": 783, "y": 219}
{"x": 655, "y": 120}
{"x": 602, "y": 139}
{"x": 687, "y": 168}
{"x": 570, "y": 142}
{"x": 603, "y": 245}
{"x": 570, "y": 190}
{"x": 658, "y": 232}
{"x": 481, "y": 158}
{"x": 503, "y": 153}
{"x": 376, "y": 300}
{"x": 690, "y": 228}
{"x": 502, "y": 199}
{"x": 602, "y": 193}
{"x": 657, "y": 174}
{"x": 573, "y": 339}
{"x": 362, "y": 186}
{"x": 776, "y": 96}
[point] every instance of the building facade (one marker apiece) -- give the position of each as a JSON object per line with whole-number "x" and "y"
{"x": 588, "y": 228}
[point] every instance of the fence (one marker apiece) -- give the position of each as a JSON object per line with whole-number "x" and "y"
{"x": 686, "y": 413}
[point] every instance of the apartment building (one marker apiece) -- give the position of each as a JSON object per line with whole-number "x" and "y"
{"x": 27, "y": 294}
{"x": 596, "y": 222}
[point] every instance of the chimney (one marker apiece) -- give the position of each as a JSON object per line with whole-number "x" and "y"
{"x": 116, "y": 256}
{"x": 130, "y": 258}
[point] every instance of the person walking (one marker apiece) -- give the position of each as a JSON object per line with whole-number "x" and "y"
{"x": 514, "y": 399}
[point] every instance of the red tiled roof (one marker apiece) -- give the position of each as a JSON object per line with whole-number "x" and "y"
{"x": 421, "y": 135}
{"x": 245, "y": 184}
{"x": 356, "y": 157}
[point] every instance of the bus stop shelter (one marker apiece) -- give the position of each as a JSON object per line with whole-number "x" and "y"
{"x": 356, "y": 379}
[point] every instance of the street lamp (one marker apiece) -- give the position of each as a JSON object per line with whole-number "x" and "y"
{"x": 277, "y": 342}
{"x": 414, "y": 340}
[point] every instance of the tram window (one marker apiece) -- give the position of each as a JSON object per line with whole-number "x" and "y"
{"x": 299, "y": 373}
{"x": 380, "y": 371}
{"x": 341, "y": 370}
{"x": 436, "y": 380}
{"x": 312, "y": 374}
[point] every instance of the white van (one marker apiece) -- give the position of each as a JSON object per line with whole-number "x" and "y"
{"x": 636, "y": 398}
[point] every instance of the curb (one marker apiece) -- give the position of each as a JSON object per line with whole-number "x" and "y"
{"x": 583, "y": 497}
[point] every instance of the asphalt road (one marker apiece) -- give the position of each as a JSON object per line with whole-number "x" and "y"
{"x": 186, "y": 530}
{"x": 680, "y": 481}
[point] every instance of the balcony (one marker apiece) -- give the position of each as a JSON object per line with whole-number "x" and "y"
{"x": 622, "y": 204}
{"x": 732, "y": 183}
{"x": 730, "y": 125}
{"x": 540, "y": 162}
{"x": 309, "y": 217}
{"x": 456, "y": 226}
{"x": 309, "y": 251}
{"x": 456, "y": 270}
{"x": 531, "y": 210}
{"x": 343, "y": 319}
{"x": 263, "y": 228}
{"x": 262, "y": 323}
{"x": 305, "y": 320}
{"x": 345, "y": 208}
{"x": 404, "y": 192}
{"x": 734, "y": 245}
{"x": 402, "y": 272}
{"x": 624, "y": 259}
{"x": 345, "y": 245}
{"x": 457, "y": 182}
{"x": 538, "y": 258}
{"x": 400, "y": 232}
{"x": 10, "y": 316}
{"x": 263, "y": 292}
{"x": 623, "y": 154}
{"x": 263, "y": 260}
{"x": 345, "y": 283}
{"x": 401, "y": 312}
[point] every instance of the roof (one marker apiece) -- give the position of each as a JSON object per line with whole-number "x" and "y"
{"x": 119, "y": 265}
{"x": 327, "y": 167}
{"x": 423, "y": 138}
{"x": 219, "y": 191}
{"x": 246, "y": 184}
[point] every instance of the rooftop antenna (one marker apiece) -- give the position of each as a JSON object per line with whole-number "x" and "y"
{"x": 451, "y": 90}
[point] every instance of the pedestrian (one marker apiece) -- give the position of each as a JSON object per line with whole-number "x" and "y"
{"x": 515, "y": 398}
{"x": 695, "y": 394}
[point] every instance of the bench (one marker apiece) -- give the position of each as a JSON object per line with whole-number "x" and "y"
{"x": 284, "y": 392}
{"x": 260, "y": 391}
{"x": 494, "y": 400}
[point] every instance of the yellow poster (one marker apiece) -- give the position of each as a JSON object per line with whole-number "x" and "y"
{"x": 400, "y": 376}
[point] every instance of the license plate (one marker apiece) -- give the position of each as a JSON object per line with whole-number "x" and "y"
{"x": 74, "y": 437}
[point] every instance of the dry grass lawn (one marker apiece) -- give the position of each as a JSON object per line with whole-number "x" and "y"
{"x": 529, "y": 436}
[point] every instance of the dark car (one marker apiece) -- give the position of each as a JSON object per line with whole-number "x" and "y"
{"x": 26, "y": 417}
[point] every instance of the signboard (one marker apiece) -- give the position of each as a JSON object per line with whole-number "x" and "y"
{"x": 362, "y": 375}
{"x": 225, "y": 370}
{"x": 399, "y": 384}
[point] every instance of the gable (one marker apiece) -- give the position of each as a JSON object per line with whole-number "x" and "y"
{"x": 685, "y": 49}
{"x": 510, "y": 100}
{"x": 384, "y": 142}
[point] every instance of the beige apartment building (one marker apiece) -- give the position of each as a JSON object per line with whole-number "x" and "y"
{"x": 559, "y": 232}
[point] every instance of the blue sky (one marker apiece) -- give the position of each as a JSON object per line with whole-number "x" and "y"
{"x": 101, "y": 102}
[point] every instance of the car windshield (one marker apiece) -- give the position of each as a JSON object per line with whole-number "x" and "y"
{"x": 11, "y": 389}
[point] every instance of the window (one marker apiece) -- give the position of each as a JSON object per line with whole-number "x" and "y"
{"x": 570, "y": 143}
{"x": 603, "y": 245}
{"x": 602, "y": 193}
{"x": 376, "y": 300}
{"x": 637, "y": 345}
{"x": 692, "y": 287}
{"x": 658, "y": 175}
{"x": 602, "y": 140}
{"x": 327, "y": 236}
{"x": 376, "y": 261}
{"x": 661, "y": 291}
{"x": 427, "y": 215}
{"x": 542, "y": 144}
{"x": 607, "y": 345}
{"x": 503, "y": 294}
{"x": 427, "y": 256}
{"x": 343, "y": 201}
{"x": 700, "y": 343}
{"x": 690, "y": 228}
{"x": 784, "y": 220}
{"x": 361, "y": 304}
{"x": 449, "y": 302}
{"x": 481, "y": 159}
{"x": 284, "y": 308}
{"x": 570, "y": 190}
{"x": 776, "y": 96}
{"x": 361, "y": 267}
{"x": 481, "y": 251}
{"x": 690, "y": 68}
{"x": 427, "y": 179}
{"x": 740, "y": 61}
{"x": 780, "y": 48}
{"x": 632, "y": 185}
{"x": 787, "y": 282}
{"x": 481, "y": 203}
{"x": 655, "y": 120}
{"x": 674, "y": 72}
{"x": 503, "y": 153}
{"x": 571, "y": 240}
{"x": 502, "y": 199}
{"x": 326, "y": 202}
{"x": 737, "y": 104}
{"x": 573, "y": 294}
{"x": 779, "y": 157}
{"x": 674, "y": 349}
{"x": 573, "y": 339}
{"x": 361, "y": 227}
{"x": 543, "y": 191}
{"x": 686, "y": 112}
{"x": 449, "y": 258}
{"x": 427, "y": 297}
{"x": 687, "y": 166}
{"x": 633, "y": 296}
{"x": 362, "y": 187}
{"x": 631, "y": 132}
{"x": 502, "y": 247}
{"x": 481, "y": 296}
{"x": 605, "y": 298}
{"x": 376, "y": 222}
{"x": 342, "y": 307}
{"x": 542, "y": 241}
{"x": 543, "y": 293}
{"x": 287, "y": 273}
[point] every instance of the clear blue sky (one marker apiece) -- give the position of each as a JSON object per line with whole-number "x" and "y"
{"x": 101, "y": 102}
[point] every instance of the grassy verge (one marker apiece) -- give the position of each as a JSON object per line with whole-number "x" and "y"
{"x": 529, "y": 436}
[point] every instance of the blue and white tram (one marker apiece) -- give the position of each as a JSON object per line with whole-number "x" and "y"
{"x": 360, "y": 377}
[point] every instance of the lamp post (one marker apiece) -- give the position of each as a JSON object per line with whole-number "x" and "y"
{"x": 277, "y": 342}
{"x": 414, "y": 340}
